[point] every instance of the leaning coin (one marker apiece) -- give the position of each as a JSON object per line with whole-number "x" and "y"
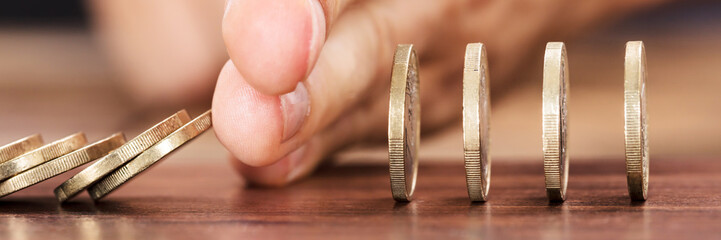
{"x": 404, "y": 123}
{"x": 476, "y": 118}
{"x": 43, "y": 154}
{"x": 555, "y": 94}
{"x": 20, "y": 147}
{"x": 61, "y": 164}
{"x": 636, "y": 132}
{"x": 151, "y": 156}
{"x": 120, "y": 156}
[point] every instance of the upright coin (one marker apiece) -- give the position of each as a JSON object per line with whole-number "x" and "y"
{"x": 61, "y": 164}
{"x": 43, "y": 154}
{"x": 636, "y": 133}
{"x": 120, "y": 156}
{"x": 151, "y": 156}
{"x": 404, "y": 123}
{"x": 476, "y": 119}
{"x": 20, "y": 147}
{"x": 555, "y": 94}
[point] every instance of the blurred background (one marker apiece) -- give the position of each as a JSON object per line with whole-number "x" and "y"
{"x": 64, "y": 68}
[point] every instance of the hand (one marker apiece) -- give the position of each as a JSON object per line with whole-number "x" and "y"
{"x": 308, "y": 77}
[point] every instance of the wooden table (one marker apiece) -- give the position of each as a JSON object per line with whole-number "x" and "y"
{"x": 209, "y": 201}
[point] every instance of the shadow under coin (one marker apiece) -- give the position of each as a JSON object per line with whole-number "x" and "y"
{"x": 461, "y": 201}
{"x": 401, "y": 207}
{"x": 118, "y": 207}
{"x": 78, "y": 207}
{"x": 29, "y": 205}
{"x": 353, "y": 170}
{"x": 537, "y": 201}
{"x": 639, "y": 204}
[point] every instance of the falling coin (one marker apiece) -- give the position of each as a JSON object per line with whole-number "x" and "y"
{"x": 404, "y": 123}
{"x": 43, "y": 154}
{"x": 120, "y": 156}
{"x": 636, "y": 132}
{"x": 476, "y": 118}
{"x": 555, "y": 94}
{"x": 61, "y": 164}
{"x": 151, "y": 156}
{"x": 20, "y": 147}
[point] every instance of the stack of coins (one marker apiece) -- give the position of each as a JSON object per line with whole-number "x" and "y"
{"x": 26, "y": 162}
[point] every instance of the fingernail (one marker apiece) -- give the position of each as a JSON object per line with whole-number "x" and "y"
{"x": 296, "y": 168}
{"x": 295, "y": 107}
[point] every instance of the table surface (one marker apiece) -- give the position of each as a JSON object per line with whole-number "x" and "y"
{"x": 354, "y": 201}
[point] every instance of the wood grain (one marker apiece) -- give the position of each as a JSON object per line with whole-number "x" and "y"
{"x": 354, "y": 201}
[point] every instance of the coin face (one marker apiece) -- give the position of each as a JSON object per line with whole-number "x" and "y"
{"x": 120, "y": 156}
{"x": 404, "y": 123}
{"x": 476, "y": 119}
{"x": 150, "y": 156}
{"x": 61, "y": 164}
{"x": 20, "y": 147}
{"x": 555, "y": 94}
{"x": 43, "y": 154}
{"x": 636, "y": 136}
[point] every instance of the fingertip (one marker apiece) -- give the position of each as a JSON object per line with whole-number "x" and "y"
{"x": 260, "y": 177}
{"x": 284, "y": 171}
{"x": 274, "y": 43}
{"x": 248, "y": 123}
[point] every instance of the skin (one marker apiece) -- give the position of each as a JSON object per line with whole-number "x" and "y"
{"x": 307, "y": 78}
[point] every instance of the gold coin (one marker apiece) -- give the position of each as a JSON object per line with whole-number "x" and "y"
{"x": 61, "y": 164}
{"x": 151, "y": 156}
{"x": 404, "y": 123}
{"x": 555, "y": 95}
{"x": 636, "y": 133}
{"x": 120, "y": 156}
{"x": 43, "y": 154}
{"x": 476, "y": 118}
{"x": 20, "y": 147}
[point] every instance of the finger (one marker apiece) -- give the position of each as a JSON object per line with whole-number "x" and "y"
{"x": 259, "y": 129}
{"x": 275, "y": 43}
{"x": 246, "y": 121}
{"x": 350, "y": 127}
{"x": 354, "y": 66}
{"x": 304, "y": 160}
{"x": 285, "y": 170}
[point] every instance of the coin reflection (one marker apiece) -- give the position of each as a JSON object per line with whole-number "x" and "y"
{"x": 638, "y": 223}
{"x": 404, "y": 221}
{"x": 89, "y": 229}
{"x": 557, "y": 224}
{"x": 479, "y": 221}
{"x": 17, "y": 228}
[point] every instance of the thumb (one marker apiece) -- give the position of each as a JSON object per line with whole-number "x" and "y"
{"x": 274, "y": 43}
